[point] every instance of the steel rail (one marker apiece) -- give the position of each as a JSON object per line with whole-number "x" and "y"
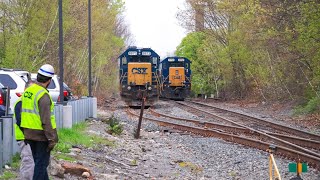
{"x": 236, "y": 130}
{"x": 290, "y": 130}
{"x": 283, "y": 151}
{"x": 280, "y": 141}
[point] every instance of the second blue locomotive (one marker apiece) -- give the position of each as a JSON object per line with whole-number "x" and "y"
{"x": 175, "y": 78}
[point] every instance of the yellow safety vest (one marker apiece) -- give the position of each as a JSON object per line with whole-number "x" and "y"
{"x": 30, "y": 117}
{"x": 17, "y": 131}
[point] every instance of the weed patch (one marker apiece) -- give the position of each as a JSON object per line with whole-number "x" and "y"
{"x": 194, "y": 168}
{"x": 16, "y": 161}
{"x": 115, "y": 128}
{"x": 312, "y": 106}
{"x": 77, "y": 136}
{"x": 8, "y": 175}
{"x": 64, "y": 157}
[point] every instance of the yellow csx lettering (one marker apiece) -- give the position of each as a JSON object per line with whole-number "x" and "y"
{"x": 139, "y": 70}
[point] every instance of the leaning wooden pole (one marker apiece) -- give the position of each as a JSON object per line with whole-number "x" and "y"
{"x": 137, "y": 136}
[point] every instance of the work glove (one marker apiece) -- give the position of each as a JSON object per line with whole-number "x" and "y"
{"x": 51, "y": 145}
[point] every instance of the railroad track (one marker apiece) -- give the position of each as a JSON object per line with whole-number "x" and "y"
{"x": 218, "y": 112}
{"x": 267, "y": 128}
{"x": 233, "y": 134}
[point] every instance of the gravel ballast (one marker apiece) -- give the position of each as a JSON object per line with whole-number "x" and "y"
{"x": 159, "y": 154}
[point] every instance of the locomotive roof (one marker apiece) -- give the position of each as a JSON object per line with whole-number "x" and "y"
{"x": 176, "y": 59}
{"x": 134, "y": 48}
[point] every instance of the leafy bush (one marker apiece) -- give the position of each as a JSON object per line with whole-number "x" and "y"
{"x": 115, "y": 128}
{"x": 312, "y": 106}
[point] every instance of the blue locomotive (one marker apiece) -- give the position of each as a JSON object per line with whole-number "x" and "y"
{"x": 139, "y": 76}
{"x": 175, "y": 78}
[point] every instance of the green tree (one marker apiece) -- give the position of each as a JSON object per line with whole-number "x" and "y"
{"x": 29, "y": 38}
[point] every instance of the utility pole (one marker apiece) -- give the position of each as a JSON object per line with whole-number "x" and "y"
{"x": 61, "y": 52}
{"x": 4, "y": 35}
{"x": 89, "y": 47}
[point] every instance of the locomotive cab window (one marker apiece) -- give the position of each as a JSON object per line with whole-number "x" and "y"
{"x": 154, "y": 61}
{"x": 176, "y": 64}
{"x": 187, "y": 65}
{"x": 140, "y": 59}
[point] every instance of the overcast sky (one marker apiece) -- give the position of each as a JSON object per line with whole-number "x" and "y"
{"x": 153, "y": 24}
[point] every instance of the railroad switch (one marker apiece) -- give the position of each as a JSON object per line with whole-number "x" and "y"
{"x": 272, "y": 164}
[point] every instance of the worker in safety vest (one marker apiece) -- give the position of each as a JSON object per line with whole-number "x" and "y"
{"x": 38, "y": 121}
{"x": 27, "y": 163}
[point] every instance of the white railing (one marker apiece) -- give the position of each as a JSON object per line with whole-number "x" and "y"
{"x": 66, "y": 115}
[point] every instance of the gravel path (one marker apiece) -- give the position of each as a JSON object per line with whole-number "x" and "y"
{"x": 159, "y": 154}
{"x": 162, "y": 153}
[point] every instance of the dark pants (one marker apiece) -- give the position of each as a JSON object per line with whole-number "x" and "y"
{"x": 41, "y": 159}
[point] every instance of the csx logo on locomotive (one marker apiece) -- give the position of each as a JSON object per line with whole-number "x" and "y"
{"x": 139, "y": 70}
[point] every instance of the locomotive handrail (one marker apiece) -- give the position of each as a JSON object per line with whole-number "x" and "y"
{"x": 189, "y": 79}
{"x": 123, "y": 76}
{"x": 156, "y": 77}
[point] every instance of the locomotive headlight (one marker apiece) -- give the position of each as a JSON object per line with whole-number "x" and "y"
{"x": 149, "y": 88}
{"x": 132, "y": 53}
{"x": 123, "y": 86}
{"x": 129, "y": 88}
{"x": 169, "y": 82}
{"x": 146, "y": 53}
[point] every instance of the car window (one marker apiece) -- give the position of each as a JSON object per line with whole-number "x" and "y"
{"x": 25, "y": 78}
{"x": 52, "y": 85}
{"x": 6, "y": 80}
{"x": 65, "y": 86}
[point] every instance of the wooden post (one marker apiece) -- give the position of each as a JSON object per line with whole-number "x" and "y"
{"x": 137, "y": 136}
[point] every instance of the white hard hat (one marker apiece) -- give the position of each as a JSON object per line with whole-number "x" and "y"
{"x": 46, "y": 70}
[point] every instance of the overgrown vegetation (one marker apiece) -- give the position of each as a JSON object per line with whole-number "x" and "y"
{"x": 9, "y": 174}
{"x": 29, "y": 38}
{"x": 311, "y": 106}
{"x": 254, "y": 49}
{"x": 16, "y": 161}
{"x": 76, "y": 136}
{"x": 64, "y": 157}
{"x": 115, "y": 128}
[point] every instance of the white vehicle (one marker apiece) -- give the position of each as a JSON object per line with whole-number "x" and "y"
{"x": 14, "y": 79}
{"x": 53, "y": 88}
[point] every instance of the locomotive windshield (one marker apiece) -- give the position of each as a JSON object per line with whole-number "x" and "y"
{"x": 140, "y": 59}
{"x": 176, "y": 64}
